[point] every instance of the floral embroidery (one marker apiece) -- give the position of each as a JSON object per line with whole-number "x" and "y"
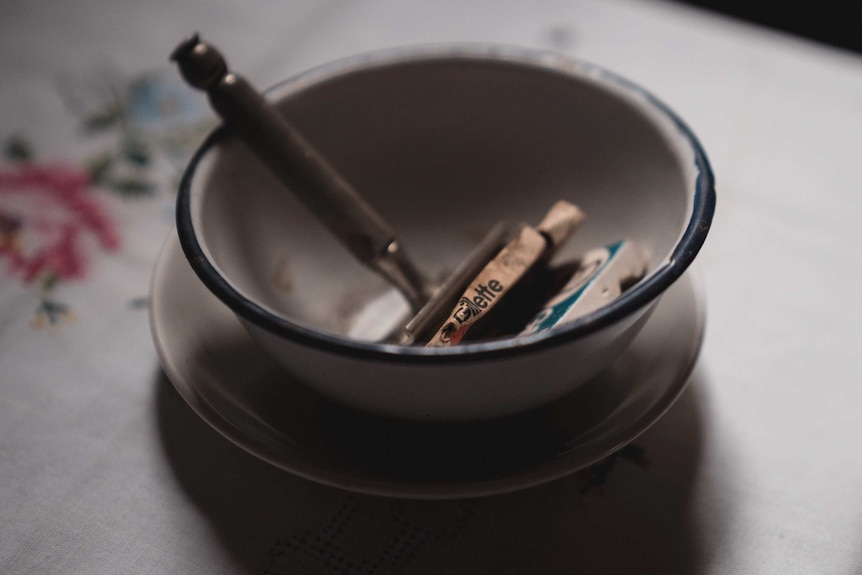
{"x": 51, "y": 220}
{"x": 150, "y": 122}
{"x": 401, "y": 533}
{"x": 49, "y": 224}
{"x": 596, "y": 476}
{"x": 45, "y": 215}
{"x": 51, "y": 313}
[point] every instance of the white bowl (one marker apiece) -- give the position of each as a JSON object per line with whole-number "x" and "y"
{"x": 445, "y": 142}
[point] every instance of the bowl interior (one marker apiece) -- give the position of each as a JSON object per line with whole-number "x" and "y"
{"x": 443, "y": 148}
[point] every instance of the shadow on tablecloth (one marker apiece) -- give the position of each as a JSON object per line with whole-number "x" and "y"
{"x": 633, "y": 513}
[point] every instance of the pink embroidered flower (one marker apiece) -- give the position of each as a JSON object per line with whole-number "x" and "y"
{"x": 49, "y": 222}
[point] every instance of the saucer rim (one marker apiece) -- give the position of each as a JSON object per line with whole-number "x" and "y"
{"x": 553, "y": 468}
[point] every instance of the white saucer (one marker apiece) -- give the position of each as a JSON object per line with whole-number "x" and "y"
{"x": 249, "y": 399}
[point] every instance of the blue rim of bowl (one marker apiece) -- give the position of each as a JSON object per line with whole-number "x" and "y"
{"x": 640, "y": 296}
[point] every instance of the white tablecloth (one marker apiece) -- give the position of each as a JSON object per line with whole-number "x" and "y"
{"x": 104, "y": 469}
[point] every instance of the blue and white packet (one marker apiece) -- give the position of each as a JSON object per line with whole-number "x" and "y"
{"x": 602, "y": 275}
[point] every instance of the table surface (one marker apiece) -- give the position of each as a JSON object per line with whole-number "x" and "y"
{"x": 104, "y": 469}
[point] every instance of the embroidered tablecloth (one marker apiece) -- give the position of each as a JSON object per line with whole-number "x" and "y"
{"x": 104, "y": 469}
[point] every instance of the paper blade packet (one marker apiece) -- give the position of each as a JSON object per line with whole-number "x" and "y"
{"x": 509, "y": 267}
{"x": 602, "y": 275}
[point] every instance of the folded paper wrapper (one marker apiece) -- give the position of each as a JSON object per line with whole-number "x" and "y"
{"x": 509, "y": 267}
{"x": 602, "y": 275}
{"x": 598, "y": 277}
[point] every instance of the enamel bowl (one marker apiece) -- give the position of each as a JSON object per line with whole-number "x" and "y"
{"x": 445, "y": 142}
